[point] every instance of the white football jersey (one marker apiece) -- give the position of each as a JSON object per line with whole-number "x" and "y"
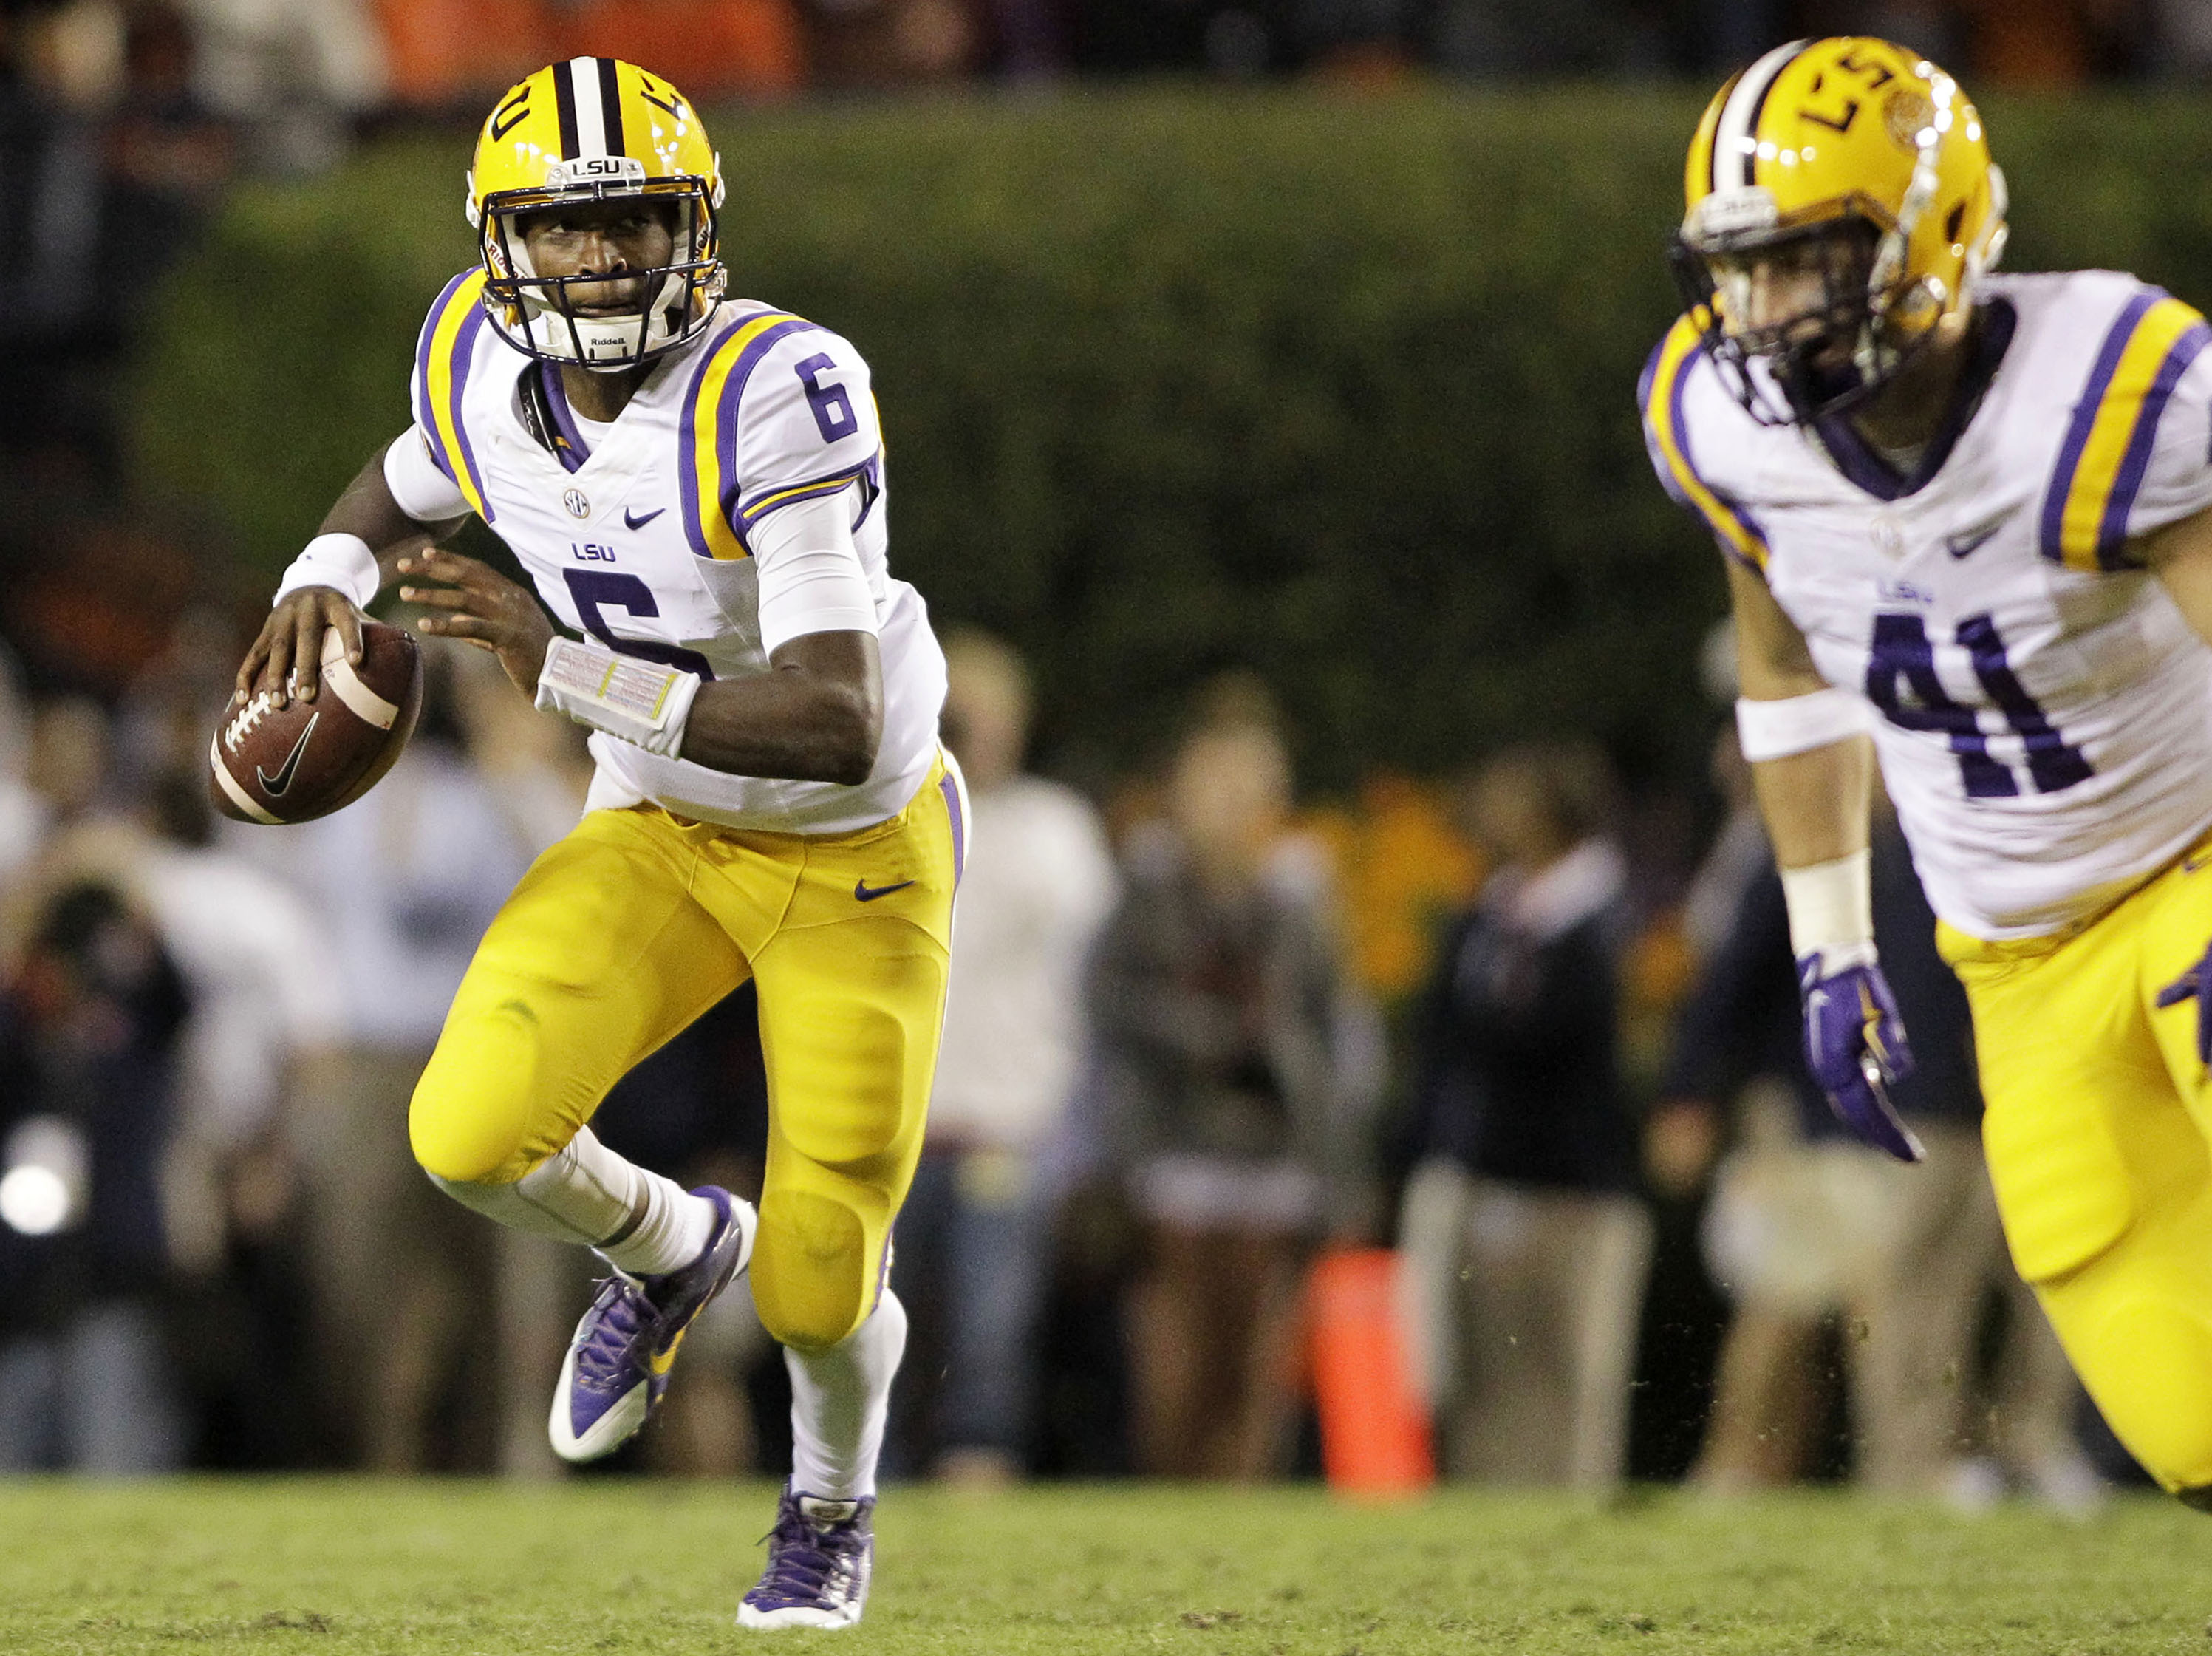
{"x": 2045, "y": 713}
{"x": 640, "y": 540}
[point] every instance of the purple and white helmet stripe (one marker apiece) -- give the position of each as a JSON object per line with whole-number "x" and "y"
{"x": 1735, "y": 138}
{"x": 587, "y": 99}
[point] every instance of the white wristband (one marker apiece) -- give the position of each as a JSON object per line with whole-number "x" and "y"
{"x": 640, "y": 701}
{"x": 1797, "y": 724}
{"x": 343, "y": 562}
{"x": 1831, "y": 911}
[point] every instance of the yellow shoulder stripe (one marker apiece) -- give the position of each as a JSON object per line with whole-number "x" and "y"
{"x": 707, "y": 434}
{"x": 2108, "y": 445}
{"x": 449, "y": 344}
{"x": 1665, "y": 379}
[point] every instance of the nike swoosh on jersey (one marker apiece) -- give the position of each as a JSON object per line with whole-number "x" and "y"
{"x": 1964, "y": 544}
{"x": 274, "y": 786}
{"x": 638, "y": 521}
{"x": 867, "y": 893}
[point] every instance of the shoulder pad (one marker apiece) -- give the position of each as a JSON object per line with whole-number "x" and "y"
{"x": 707, "y": 428}
{"x": 451, "y": 335}
{"x": 1667, "y": 377}
{"x": 2113, "y": 435}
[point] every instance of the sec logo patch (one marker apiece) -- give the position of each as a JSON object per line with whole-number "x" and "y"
{"x": 578, "y": 505}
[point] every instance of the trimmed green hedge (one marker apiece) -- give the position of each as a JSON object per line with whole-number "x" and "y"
{"x": 1338, "y": 387}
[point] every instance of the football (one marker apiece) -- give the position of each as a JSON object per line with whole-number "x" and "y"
{"x": 279, "y": 760}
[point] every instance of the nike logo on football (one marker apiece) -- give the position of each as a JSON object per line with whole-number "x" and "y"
{"x": 867, "y": 893}
{"x": 274, "y": 786}
{"x": 639, "y": 520}
{"x": 1964, "y": 544}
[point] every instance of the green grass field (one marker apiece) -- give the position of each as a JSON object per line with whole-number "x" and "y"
{"x": 330, "y": 1568}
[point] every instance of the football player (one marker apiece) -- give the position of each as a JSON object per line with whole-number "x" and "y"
{"x": 695, "y": 485}
{"x": 1972, "y": 514}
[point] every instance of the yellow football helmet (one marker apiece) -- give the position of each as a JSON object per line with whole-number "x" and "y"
{"x": 595, "y": 129}
{"x": 1860, "y": 162}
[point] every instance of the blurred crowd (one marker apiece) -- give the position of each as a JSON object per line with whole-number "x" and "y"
{"x": 1199, "y": 1038}
{"x": 288, "y": 79}
{"x": 1202, "y": 1034}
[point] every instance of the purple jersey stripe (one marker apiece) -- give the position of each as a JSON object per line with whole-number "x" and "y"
{"x": 2051, "y": 533}
{"x": 1650, "y": 373}
{"x": 1680, "y": 423}
{"x": 725, "y": 414}
{"x": 572, "y": 451}
{"x": 951, "y": 790}
{"x": 687, "y": 447}
{"x": 465, "y": 350}
{"x": 775, "y": 499}
{"x": 2112, "y": 532}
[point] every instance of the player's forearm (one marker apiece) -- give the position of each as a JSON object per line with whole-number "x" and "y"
{"x": 816, "y": 714}
{"x": 368, "y": 510}
{"x": 1816, "y": 803}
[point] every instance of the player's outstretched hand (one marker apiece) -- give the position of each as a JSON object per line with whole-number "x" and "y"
{"x": 2195, "y": 984}
{"x": 481, "y": 607}
{"x": 291, "y": 641}
{"x": 1855, "y": 1046}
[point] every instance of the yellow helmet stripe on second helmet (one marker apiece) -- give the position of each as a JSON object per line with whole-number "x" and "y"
{"x": 1665, "y": 379}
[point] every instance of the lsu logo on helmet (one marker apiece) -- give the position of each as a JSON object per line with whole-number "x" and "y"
{"x": 1860, "y": 167}
{"x": 595, "y": 129}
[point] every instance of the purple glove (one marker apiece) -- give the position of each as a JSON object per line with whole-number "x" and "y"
{"x": 1855, "y": 1046}
{"x": 2195, "y": 984}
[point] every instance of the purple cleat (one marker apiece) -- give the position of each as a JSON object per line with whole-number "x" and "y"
{"x": 819, "y": 1557}
{"x": 617, "y": 1365}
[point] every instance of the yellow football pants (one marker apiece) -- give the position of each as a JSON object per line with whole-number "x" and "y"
{"x": 2097, "y": 1123}
{"x": 634, "y": 925}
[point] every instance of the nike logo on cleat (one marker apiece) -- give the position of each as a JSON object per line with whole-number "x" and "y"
{"x": 867, "y": 893}
{"x": 639, "y": 520}
{"x": 274, "y": 786}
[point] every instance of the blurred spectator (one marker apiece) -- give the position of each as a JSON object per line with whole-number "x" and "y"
{"x": 2181, "y": 36}
{"x": 259, "y": 1028}
{"x": 710, "y": 48}
{"x": 22, "y": 812}
{"x": 109, "y": 165}
{"x": 87, "y": 1030}
{"x": 1404, "y": 870}
{"x": 263, "y": 1018}
{"x": 292, "y": 74}
{"x": 1525, "y": 1244}
{"x": 1224, "y": 1083}
{"x": 405, "y": 882}
{"x": 884, "y": 43}
{"x": 973, "y": 1236}
{"x": 1807, "y": 1223}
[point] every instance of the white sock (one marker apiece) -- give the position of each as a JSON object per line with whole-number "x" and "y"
{"x": 586, "y": 1193}
{"x": 840, "y": 1400}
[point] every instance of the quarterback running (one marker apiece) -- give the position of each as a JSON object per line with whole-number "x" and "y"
{"x": 695, "y": 485}
{"x": 1971, "y": 514}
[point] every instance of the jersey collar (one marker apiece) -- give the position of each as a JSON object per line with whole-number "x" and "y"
{"x": 1856, "y": 458}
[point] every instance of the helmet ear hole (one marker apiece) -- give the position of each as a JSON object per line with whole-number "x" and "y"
{"x": 1952, "y": 220}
